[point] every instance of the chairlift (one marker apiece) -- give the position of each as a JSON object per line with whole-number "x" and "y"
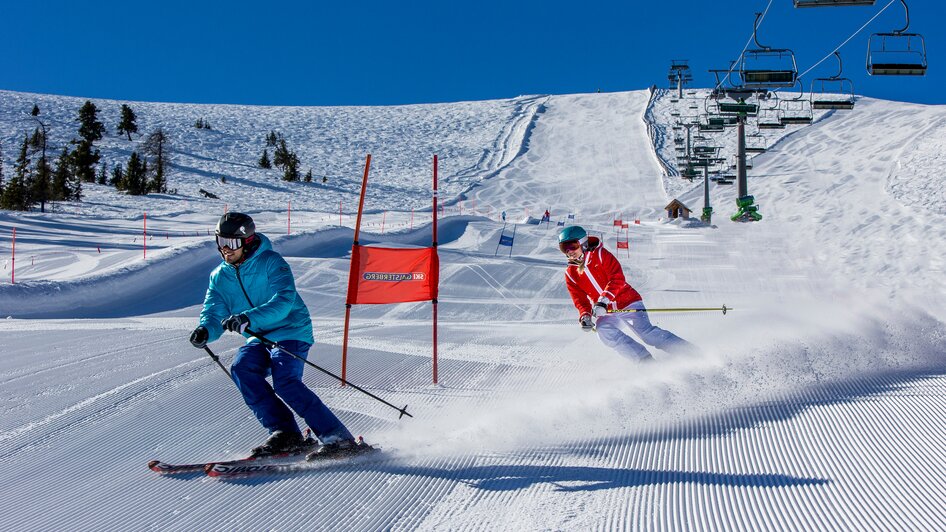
{"x": 830, "y": 3}
{"x": 755, "y": 143}
{"x": 834, "y": 92}
{"x": 796, "y": 110}
{"x": 897, "y": 53}
{"x": 770, "y": 119}
{"x": 708, "y": 123}
{"x": 765, "y": 67}
{"x": 770, "y": 113}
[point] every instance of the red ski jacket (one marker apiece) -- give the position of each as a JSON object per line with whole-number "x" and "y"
{"x": 601, "y": 276}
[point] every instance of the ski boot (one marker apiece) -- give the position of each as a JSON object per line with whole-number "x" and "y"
{"x": 336, "y": 447}
{"x": 280, "y": 442}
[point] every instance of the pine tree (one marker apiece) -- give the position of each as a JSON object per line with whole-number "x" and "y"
{"x": 16, "y": 193}
{"x": 41, "y": 186}
{"x": 157, "y": 145}
{"x": 264, "y": 160}
{"x": 135, "y": 180}
{"x": 127, "y": 124}
{"x": 103, "y": 174}
{"x": 291, "y": 168}
{"x": 84, "y": 160}
{"x": 13, "y": 196}
{"x": 61, "y": 189}
{"x": 90, "y": 128}
{"x": 118, "y": 177}
{"x": 308, "y": 176}
{"x": 281, "y": 154}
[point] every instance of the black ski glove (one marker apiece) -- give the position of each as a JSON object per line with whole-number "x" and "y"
{"x": 236, "y": 323}
{"x": 586, "y": 324}
{"x": 199, "y": 337}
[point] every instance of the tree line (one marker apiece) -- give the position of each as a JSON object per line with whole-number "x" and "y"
{"x": 36, "y": 180}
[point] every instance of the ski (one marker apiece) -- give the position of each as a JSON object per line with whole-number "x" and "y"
{"x": 177, "y": 469}
{"x": 242, "y": 469}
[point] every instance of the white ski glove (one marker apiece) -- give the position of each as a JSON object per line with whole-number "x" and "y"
{"x": 586, "y": 323}
{"x": 601, "y": 307}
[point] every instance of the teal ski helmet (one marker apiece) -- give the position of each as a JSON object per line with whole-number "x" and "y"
{"x": 572, "y": 233}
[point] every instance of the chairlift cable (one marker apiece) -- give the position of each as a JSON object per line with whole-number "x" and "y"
{"x": 838, "y": 48}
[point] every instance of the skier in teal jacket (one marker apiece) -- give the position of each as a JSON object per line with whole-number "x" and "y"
{"x": 253, "y": 288}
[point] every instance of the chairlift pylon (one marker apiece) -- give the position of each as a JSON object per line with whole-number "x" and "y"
{"x": 842, "y": 98}
{"x": 897, "y": 53}
{"x": 766, "y": 67}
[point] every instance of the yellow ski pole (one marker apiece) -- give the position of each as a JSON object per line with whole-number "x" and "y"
{"x": 724, "y": 308}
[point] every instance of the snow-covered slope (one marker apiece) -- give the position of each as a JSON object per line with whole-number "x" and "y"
{"x": 813, "y": 405}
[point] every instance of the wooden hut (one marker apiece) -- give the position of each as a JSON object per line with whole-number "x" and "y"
{"x": 676, "y": 209}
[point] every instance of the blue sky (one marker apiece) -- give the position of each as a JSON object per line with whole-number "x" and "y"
{"x": 390, "y": 52}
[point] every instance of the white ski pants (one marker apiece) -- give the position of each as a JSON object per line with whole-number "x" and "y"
{"x": 611, "y": 335}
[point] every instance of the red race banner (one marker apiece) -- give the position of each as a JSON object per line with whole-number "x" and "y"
{"x": 392, "y": 275}
{"x": 622, "y": 245}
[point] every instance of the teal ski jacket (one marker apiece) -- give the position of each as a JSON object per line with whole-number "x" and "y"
{"x": 262, "y": 287}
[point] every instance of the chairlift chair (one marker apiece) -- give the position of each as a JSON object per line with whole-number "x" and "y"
{"x": 897, "y": 53}
{"x": 830, "y": 3}
{"x": 770, "y": 114}
{"x": 765, "y": 67}
{"x": 834, "y": 92}
{"x": 770, "y": 119}
{"x": 796, "y": 110}
{"x": 755, "y": 143}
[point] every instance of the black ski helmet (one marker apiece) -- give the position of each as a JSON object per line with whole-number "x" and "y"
{"x": 238, "y": 226}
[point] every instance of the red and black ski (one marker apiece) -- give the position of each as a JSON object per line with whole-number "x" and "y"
{"x": 176, "y": 469}
{"x": 243, "y": 469}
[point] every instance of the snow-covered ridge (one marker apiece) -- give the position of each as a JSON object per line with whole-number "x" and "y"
{"x": 473, "y": 140}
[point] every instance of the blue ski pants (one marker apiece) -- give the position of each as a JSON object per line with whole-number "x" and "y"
{"x": 611, "y": 335}
{"x": 254, "y": 362}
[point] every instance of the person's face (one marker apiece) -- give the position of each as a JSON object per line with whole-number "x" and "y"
{"x": 232, "y": 256}
{"x": 573, "y": 251}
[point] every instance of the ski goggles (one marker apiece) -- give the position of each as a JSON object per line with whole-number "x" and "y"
{"x": 232, "y": 243}
{"x": 569, "y": 246}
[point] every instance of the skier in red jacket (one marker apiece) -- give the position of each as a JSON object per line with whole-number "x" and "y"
{"x": 597, "y": 285}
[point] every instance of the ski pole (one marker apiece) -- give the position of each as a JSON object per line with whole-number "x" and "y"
{"x": 724, "y": 308}
{"x": 217, "y": 360}
{"x": 271, "y": 344}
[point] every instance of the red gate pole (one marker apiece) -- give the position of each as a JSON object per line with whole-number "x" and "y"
{"x": 353, "y": 270}
{"x": 13, "y": 260}
{"x": 289, "y": 219}
{"x": 434, "y": 244}
{"x": 144, "y": 239}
